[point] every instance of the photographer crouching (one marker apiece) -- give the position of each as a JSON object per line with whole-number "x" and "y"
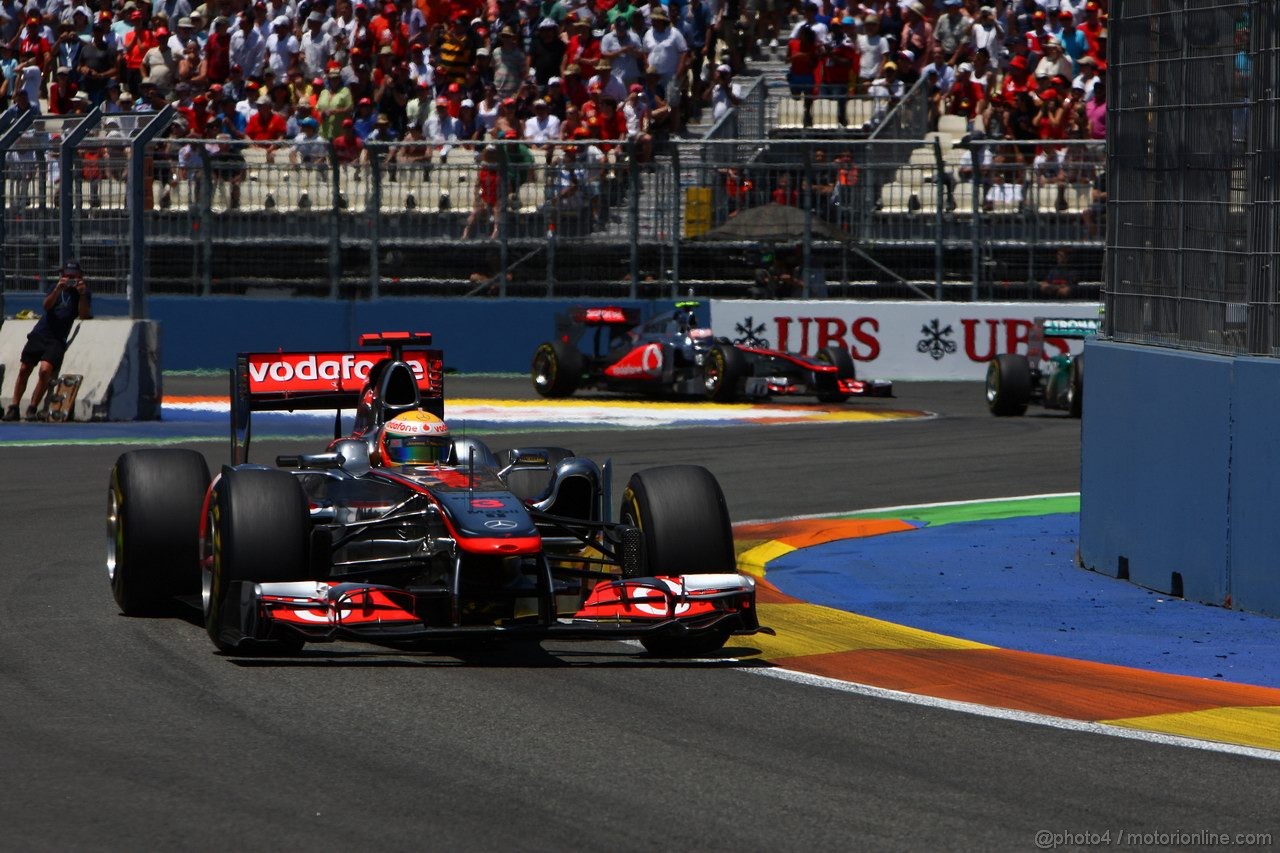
{"x": 47, "y": 342}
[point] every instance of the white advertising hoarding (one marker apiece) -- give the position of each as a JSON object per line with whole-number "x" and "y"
{"x": 898, "y": 340}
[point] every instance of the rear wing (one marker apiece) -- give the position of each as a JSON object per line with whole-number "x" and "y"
{"x": 307, "y": 381}
{"x": 1070, "y": 328}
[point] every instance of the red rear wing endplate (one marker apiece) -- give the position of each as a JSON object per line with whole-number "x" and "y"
{"x": 305, "y": 381}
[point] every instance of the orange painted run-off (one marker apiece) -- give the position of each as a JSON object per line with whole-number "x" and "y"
{"x": 804, "y": 533}
{"x": 1041, "y": 684}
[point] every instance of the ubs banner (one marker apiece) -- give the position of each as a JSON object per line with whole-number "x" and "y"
{"x": 898, "y": 340}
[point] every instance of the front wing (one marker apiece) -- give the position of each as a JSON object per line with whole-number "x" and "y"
{"x": 325, "y": 611}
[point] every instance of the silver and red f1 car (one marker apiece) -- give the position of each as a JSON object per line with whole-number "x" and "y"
{"x": 330, "y": 546}
{"x": 609, "y": 349}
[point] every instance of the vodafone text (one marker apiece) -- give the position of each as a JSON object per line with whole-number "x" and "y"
{"x": 341, "y": 368}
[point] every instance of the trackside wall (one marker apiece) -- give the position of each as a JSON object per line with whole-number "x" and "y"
{"x": 1180, "y": 473}
{"x": 888, "y": 340}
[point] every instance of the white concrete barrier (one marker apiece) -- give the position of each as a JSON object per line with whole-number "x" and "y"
{"x": 118, "y": 358}
{"x": 897, "y": 340}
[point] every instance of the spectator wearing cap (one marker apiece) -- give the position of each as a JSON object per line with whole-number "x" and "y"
{"x": 136, "y": 43}
{"x": 724, "y": 94}
{"x": 310, "y": 149}
{"x": 546, "y": 54}
{"x": 668, "y": 55}
{"x": 182, "y": 35}
{"x": 917, "y": 33}
{"x": 442, "y": 129}
{"x": 98, "y": 62}
{"x": 510, "y": 63}
{"x": 47, "y": 343}
{"x": 1054, "y": 63}
{"x": 62, "y": 91}
{"x": 873, "y": 52}
{"x": 316, "y": 46}
{"x": 636, "y": 111}
{"x": 159, "y": 65}
{"x": 967, "y": 98}
{"x": 386, "y": 30}
{"x": 364, "y": 117}
{"x": 469, "y": 125}
{"x": 420, "y": 68}
{"x": 608, "y": 85}
{"x": 1074, "y": 43}
{"x": 543, "y": 127}
{"x": 34, "y": 44}
{"x": 583, "y": 48}
{"x": 1088, "y": 78}
{"x": 952, "y": 32}
{"x": 28, "y": 75}
{"x": 379, "y": 144}
{"x": 885, "y": 91}
{"x": 839, "y": 66}
{"x": 624, "y": 51}
{"x": 347, "y": 145}
{"x": 1094, "y": 27}
{"x": 303, "y": 109}
{"x": 419, "y": 106}
{"x": 334, "y": 105}
{"x": 265, "y": 127}
{"x": 1018, "y": 80}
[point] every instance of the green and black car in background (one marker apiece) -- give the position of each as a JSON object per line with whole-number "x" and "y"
{"x": 1014, "y": 381}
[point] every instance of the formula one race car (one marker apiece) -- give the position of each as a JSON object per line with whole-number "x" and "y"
{"x": 401, "y": 532}
{"x": 1015, "y": 380}
{"x": 609, "y": 349}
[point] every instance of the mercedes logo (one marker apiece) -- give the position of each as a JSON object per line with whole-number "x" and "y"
{"x": 500, "y": 524}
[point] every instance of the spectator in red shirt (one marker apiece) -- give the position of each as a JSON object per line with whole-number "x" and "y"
{"x": 217, "y": 52}
{"x": 966, "y": 98}
{"x": 802, "y": 77}
{"x": 136, "y": 43}
{"x": 839, "y": 66}
{"x": 1017, "y": 81}
{"x": 265, "y": 126}
{"x": 347, "y": 146}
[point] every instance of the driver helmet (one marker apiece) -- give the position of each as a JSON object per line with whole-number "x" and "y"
{"x": 414, "y": 438}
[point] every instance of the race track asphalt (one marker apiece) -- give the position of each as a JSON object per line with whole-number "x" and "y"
{"x": 127, "y": 734}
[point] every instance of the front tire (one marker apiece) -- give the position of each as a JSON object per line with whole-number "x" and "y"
{"x": 556, "y": 369}
{"x": 684, "y": 524}
{"x": 1075, "y": 387}
{"x": 258, "y": 530}
{"x": 1008, "y": 384}
{"x": 722, "y": 370}
{"x": 153, "y": 527}
{"x": 840, "y": 357}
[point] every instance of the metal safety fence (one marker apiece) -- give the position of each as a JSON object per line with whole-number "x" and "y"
{"x": 932, "y": 218}
{"x": 1194, "y": 134}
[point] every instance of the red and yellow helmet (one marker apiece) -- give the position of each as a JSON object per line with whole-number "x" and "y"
{"x": 414, "y": 438}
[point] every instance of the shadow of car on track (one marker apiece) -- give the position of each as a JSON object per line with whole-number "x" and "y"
{"x": 523, "y": 655}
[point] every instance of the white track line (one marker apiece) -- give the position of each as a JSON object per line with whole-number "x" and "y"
{"x": 1013, "y": 716}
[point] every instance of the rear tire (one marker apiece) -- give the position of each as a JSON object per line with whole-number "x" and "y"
{"x": 684, "y": 523}
{"x": 840, "y": 357}
{"x": 1075, "y": 387}
{"x": 722, "y": 370}
{"x": 556, "y": 369}
{"x": 153, "y": 527}
{"x": 1008, "y": 384}
{"x": 258, "y": 531}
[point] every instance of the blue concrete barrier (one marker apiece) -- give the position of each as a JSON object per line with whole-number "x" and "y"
{"x": 1180, "y": 473}
{"x": 477, "y": 335}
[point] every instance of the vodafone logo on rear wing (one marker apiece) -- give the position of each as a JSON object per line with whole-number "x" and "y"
{"x": 320, "y": 372}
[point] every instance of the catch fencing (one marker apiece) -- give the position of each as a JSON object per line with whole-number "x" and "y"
{"x": 1192, "y": 221}
{"x": 933, "y": 218}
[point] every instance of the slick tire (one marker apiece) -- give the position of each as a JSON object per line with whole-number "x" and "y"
{"x": 722, "y": 370}
{"x": 1008, "y": 385}
{"x": 684, "y": 525}
{"x": 556, "y": 369}
{"x": 1075, "y": 387}
{"x": 153, "y": 528}
{"x": 840, "y": 357}
{"x": 257, "y": 531}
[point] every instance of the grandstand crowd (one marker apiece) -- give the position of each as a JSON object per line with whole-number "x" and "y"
{"x": 540, "y": 71}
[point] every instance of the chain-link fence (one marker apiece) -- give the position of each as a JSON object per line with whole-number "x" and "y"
{"x": 934, "y": 218}
{"x": 1191, "y": 216}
